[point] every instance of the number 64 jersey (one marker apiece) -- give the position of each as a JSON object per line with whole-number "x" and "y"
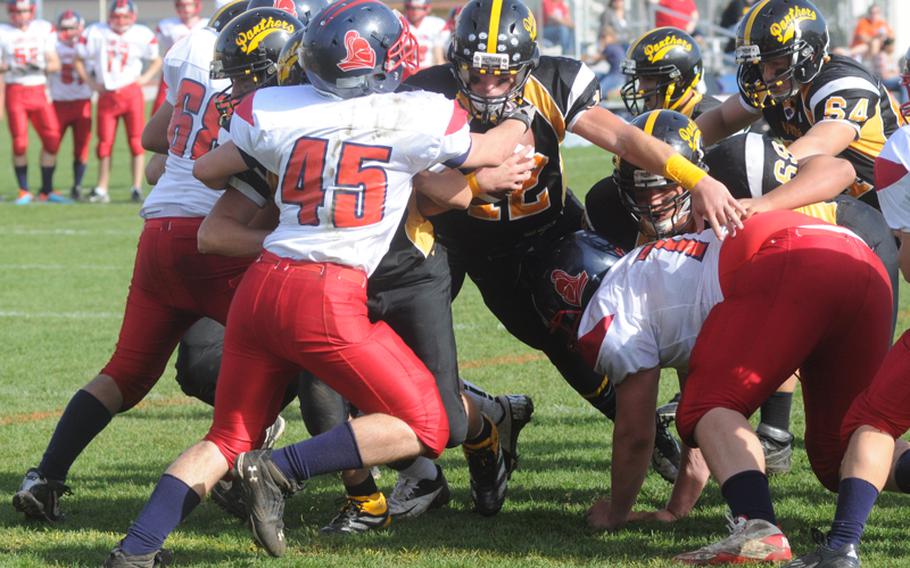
{"x": 345, "y": 166}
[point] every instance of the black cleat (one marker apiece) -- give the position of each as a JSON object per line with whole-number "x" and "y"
{"x": 517, "y": 412}
{"x": 264, "y": 490}
{"x": 39, "y": 498}
{"x": 229, "y": 496}
{"x": 667, "y": 453}
{"x": 120, "y": 559}
{"x": 413, "y": 497}
{"x": 827, "y": 557}
{"x": 360, "y": 514}
{"x": 489, "y": 477}
{"x": 777, "y": 445}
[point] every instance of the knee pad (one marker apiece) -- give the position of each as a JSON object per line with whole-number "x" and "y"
{"x": 104, "y": 149}
{"x": 20, "y": 145}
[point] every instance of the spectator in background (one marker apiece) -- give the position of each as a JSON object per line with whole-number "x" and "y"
{"x": 731, "y": 16}
{"x": 871, "y": 27}
{"x": 885, "y": 66}
{"x": 171, "y": 30}
{"x": 612, "y": 43}
{"x": 72, "y": 96}
{"x": 429, "y": 31}
{"x": 558, "y": 26}
{"x": 682, "y": 14}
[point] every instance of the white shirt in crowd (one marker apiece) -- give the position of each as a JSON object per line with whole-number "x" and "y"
{"x": 24, "y": 52}
{"x": 116, "y": 59}
{"x": 66, "y": 85}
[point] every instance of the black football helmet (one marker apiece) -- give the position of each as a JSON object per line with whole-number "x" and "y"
{"x": 794, "y": 29}
{"x": 498, "y": 37}
{"x": 673, "y": 59}
{"x": 303, "y": 10}
{"x": 227, "y": 13}
{"x": 358, "y": 47}
{"x": 249, "y": 45}
{"x": 289, "y": 70}
{"x": 565, "y": 277}
{"x": 670, "y": 216}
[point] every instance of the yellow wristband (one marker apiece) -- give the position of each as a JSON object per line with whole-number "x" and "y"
{"x": 683, "y": 172}
{"x": 472, "y": 183}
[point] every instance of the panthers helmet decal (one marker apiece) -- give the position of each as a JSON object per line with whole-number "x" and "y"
{"x": 249, "y": 45}
{"x": 670, "y": 57}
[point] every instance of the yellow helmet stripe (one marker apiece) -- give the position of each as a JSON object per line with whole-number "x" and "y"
{"x": 652, "y": 118}
{"x": 493, "y": 32}
{"x": 747, "y": 37}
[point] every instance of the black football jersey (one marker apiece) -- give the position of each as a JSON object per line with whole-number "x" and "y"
{"x": 843, "y": 91}
{"x": 561, "y": 89}
{"x": 750, "y": 164}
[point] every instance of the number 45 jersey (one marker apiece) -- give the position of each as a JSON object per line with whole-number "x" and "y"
{"x": 345, "y": 166}
{"x": 193, "y": 129}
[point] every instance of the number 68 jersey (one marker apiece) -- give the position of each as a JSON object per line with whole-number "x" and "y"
{"x": 345, "y": 166}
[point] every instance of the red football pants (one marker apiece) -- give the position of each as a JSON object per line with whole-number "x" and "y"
{"x": 78, "y": 116}
{"x": 173, "y": 285}
{"x": 807, "y": 299}
{"x": 129, "y": 104}
{"x": 885, "y": 404}
{"x": 289, "y": 315}
{"x": 26, "y": 103}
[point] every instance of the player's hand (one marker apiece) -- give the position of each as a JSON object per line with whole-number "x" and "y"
{"x": 660, "y": 516}
{"x": 510, "y": 176}
{"x": 599, "y": 516}
{"x": 756, "y": 205}
{"x": 712, "y": 201}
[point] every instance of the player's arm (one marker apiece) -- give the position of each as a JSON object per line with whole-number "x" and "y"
{"x": 79, "y": 66}
{"x": 633, "y": 442}
{"x": 724, "y": 120}
{"x": 154, "y": 135}
{"x": 215, "y": 168}
{"x": 154, "y": 168}
{"x": 710, "y": 199}
{"x": 235, "y": 226}
{"x": 904, "y": 255}
{"x": 51, "y": 61}
{"x": 828, "y": 137}
{"x": 820, "y": 178}
{"x": 494, "y": 147}
{"x": 150, "y": 72}
{"x": 442, "y": 191}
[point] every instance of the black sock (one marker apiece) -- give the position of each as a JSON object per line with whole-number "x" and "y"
{"x": 748, "y": 495}
{"x": 170, "y": 503}
{"x": 902, "y": 472}
{"x": 485, "y": 432}
{"x": 335, "y": 450}
{"x": 22, "y": 176}
{"x": 776, "y": 410}
{"x": 363, "y": 489}
{"x": 855, "y": 500}
{"x": 78, "y": 173}
{"x": 47, "y": 179}
{"x": 83, "y": 419}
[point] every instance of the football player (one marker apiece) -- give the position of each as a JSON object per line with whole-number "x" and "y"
{"x": 332, "y": 234}
{"x": 664, "y": 67}
{"x": 489, "y": 71}
{"x": 109, "y": 59}
{"x": 26, "y": 54}
{"x": 741, "y": 315}
{"x": 816, "y": 102}
{"x": 168, "y": 292}
{"x": 72, "y": 97}
{"x": 429, "y": 31}
{"x": 171, "y": 30}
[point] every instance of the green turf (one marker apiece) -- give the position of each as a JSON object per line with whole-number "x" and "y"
{"x": 64, "y": 272}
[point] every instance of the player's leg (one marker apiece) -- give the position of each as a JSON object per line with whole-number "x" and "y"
{"x": 774, "y": 428}
{"x": 134, "y": 118}
{"x": 82, "y": 133}
{"x": 44, "y": 120}
{"x": 106, "y": 127}
{"x": 17, "y": 118}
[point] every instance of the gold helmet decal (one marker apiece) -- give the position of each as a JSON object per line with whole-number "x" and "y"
{"x": 692, "y": 135}
{"x": 251, "y": 38}
{"x": 530, "y": 25}
{"x": 657, "y": 51}
{"x": 784, "y": 29}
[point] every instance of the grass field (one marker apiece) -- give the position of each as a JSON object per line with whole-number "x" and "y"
{"x": 64, "y": 272}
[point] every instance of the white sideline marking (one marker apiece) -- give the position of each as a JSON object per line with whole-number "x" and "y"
{"x": 60, "y": 315}
{"x": 61, "y": 267}
{"x": 67, "y": 232}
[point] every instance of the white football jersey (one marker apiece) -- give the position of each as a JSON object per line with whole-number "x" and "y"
{"x": 66, "y": 85}
{"x": 345, "y": 166}
{"x": 892, "y": 181}
{"x": 116, "y": 59}
{"x": 172, "y": 30}
{"x": 651, "y": 305}
{"x": 24, "y": 52}
{"x": 193, "y": 130}
{"x": 430, "y": 34}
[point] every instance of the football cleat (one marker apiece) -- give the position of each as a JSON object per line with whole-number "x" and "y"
{"x": 777, "y": 445}
{"x": 750, "y": 540}
{"x": 413, "y": 497}
{"x": 264, "y": 490}
{"x": 517, "y": 412}
{"x": 489, "y": 478}
{"x": 229, "y": 496}
{"x": 360, "y": 514}
{"x": 99, "y": 195}
{"x": 826, "y": 557}
{"x": 273, "y": 432}
{"x": 667, "y": 455}
{"x": 76, "y": 193}
{"x": 39, "y": 498}
{"x": 24, "y": 198}
{"x": 136, "y": 194}
{"x": 120, "y": 559}
{"x": 53, "y": 197}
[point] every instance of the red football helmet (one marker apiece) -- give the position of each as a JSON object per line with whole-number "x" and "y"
{"x": 121, "y": 15}
{"x": 905, "y": 81}
{"x": 188, "y": 10}
{"x": 21, "y": 12}
{"x": 69, "y": 26}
